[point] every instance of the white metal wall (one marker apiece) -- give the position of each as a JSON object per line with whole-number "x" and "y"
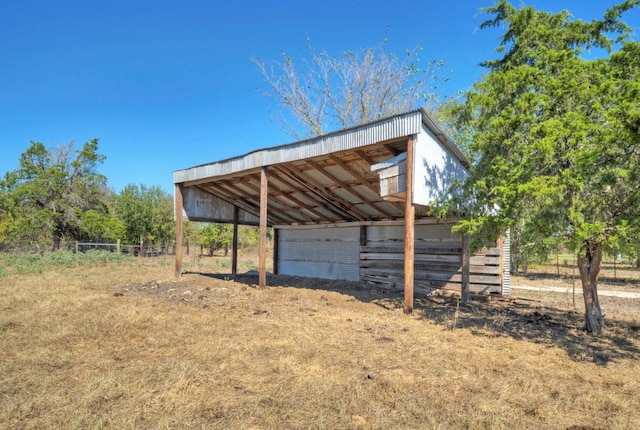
{"x": 506, "y": 264}
{"x": 328, "y": 253}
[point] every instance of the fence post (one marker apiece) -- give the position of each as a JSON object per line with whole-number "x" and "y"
{"x": 464, "y": 287}
{"x": 118, "y": 246}
{"x": 76, "y": 246}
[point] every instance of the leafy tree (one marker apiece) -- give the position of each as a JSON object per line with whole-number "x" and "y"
{"x": 99, "y": 226}
{"x": 328, "y": 92}
{"x": 216, "y": 236}
{"x": 46, "y": 196}
{"x": 557, "y": 135}
{"x": 146, "y": 212}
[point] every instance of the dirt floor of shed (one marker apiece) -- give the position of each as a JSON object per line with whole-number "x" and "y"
{"x": 126, "y": 345}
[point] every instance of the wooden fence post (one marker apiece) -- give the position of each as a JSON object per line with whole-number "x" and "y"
{"x": 464, "y": 289}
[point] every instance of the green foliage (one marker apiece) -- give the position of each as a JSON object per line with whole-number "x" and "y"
{"x": 46, "y": 196}
{"x": 557, "y": 136}
{"x": 100, "y": 227}
{"x": 145, "y": 212}
{"x": 557, "y": 133}
{"x": 216, "y": 236}
{"x": 33, "y": 263}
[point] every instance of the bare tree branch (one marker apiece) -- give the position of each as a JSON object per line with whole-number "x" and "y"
{"x": 328, "y": 92}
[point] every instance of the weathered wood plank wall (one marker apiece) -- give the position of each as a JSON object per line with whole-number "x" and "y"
{"x": 438, "y": 262}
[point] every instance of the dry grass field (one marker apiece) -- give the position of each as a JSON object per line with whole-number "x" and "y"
{"x": 125, "y": 345}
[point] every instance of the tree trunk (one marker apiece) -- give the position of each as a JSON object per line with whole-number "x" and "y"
{"x": 589, "y": 261}
{"x": 57, "y": 239}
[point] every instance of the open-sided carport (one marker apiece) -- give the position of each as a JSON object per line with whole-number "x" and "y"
{"x": 376, "y": 178}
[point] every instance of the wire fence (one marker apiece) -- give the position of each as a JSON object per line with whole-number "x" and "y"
{"x": 140, "y": 250}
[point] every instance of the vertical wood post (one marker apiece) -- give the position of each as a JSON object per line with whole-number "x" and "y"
{"x": 234, "y": 245}
{"x": 118, "y": 246}
{"x": 262, "y": 263}
{"x": 363, "y": 235}
{"x": 178, "y": 215}
{"x": 409, "y": 232}
{"x": 276, "y": 235}
{"x": 464, "y": 289}
{"x": 500, "y": 245}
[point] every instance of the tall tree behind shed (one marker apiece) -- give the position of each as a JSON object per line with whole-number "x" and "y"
{"x": 556, "y": 131}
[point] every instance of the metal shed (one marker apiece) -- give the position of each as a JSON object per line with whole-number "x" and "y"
{"x": 324, "y": 192}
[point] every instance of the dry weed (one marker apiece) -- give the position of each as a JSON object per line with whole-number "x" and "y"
{"x": 131, "y": 347}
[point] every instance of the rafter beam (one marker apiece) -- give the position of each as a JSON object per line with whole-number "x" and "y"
{"x": 347, "y": 187}
{"x": 328, "y": 194}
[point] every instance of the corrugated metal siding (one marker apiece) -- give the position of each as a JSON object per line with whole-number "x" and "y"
{"x": 328, "y": 253}
{"x": 425, "y": 233}
{"x": 368, "y": 134}
{"x": 506, "y": 264}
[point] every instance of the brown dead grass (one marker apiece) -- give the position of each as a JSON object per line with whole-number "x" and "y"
{"x": 128, "y": 346}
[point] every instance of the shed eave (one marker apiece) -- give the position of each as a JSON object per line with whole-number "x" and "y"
{"x": 394, "y": 127}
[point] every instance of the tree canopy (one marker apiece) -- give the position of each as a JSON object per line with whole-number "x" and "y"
{"x": 554, "y": 126}
{"x": 329, "y": 92}
{"x": 48, "y": 194}
{"x": 146, "y": 212}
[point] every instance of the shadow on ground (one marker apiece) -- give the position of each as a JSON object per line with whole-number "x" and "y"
{"x": 486, "y": 316}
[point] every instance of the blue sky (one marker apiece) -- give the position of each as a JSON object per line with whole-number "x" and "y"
{"x": 167, "y": 85}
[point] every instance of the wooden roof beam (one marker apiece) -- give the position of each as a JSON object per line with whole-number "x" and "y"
{"x": 246, "y": 205}
{"x": 347, "y": 188}
{"x": 281, "y": 199}
{"x": 351, "y": 171}
{"x": 328, "y": 194}
{"x": 275, "y": 213}
{"x": 340, "y": 214}
{"x": 341, "y": 208}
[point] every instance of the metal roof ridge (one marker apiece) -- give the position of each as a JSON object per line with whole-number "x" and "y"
{"x": 313, "y": 139}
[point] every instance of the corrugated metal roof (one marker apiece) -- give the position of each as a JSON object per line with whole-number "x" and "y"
{"x": 327, "y": 179}
{"x": 363, "y": 135}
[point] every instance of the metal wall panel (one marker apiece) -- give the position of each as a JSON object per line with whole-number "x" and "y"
{"x": 506, "y": 264}
{"x": 329, "y": 253}
{"x": 424, "y": 233}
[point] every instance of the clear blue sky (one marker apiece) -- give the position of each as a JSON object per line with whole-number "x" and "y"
{"x": 167, "y": 85}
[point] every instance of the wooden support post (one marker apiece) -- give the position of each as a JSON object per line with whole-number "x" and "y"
{"x": 464, "y": 289}
{"x": 409, "y": 232}
{"x": 234, "y": 245}
{"x": 363, "y": 235}
{"x": 500, "y": 245}
{"x": 178, "y": 215}
{"x": 262, "y": 263}
{"x": 276, "y": 234}
{"x": 118, "y": 246}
